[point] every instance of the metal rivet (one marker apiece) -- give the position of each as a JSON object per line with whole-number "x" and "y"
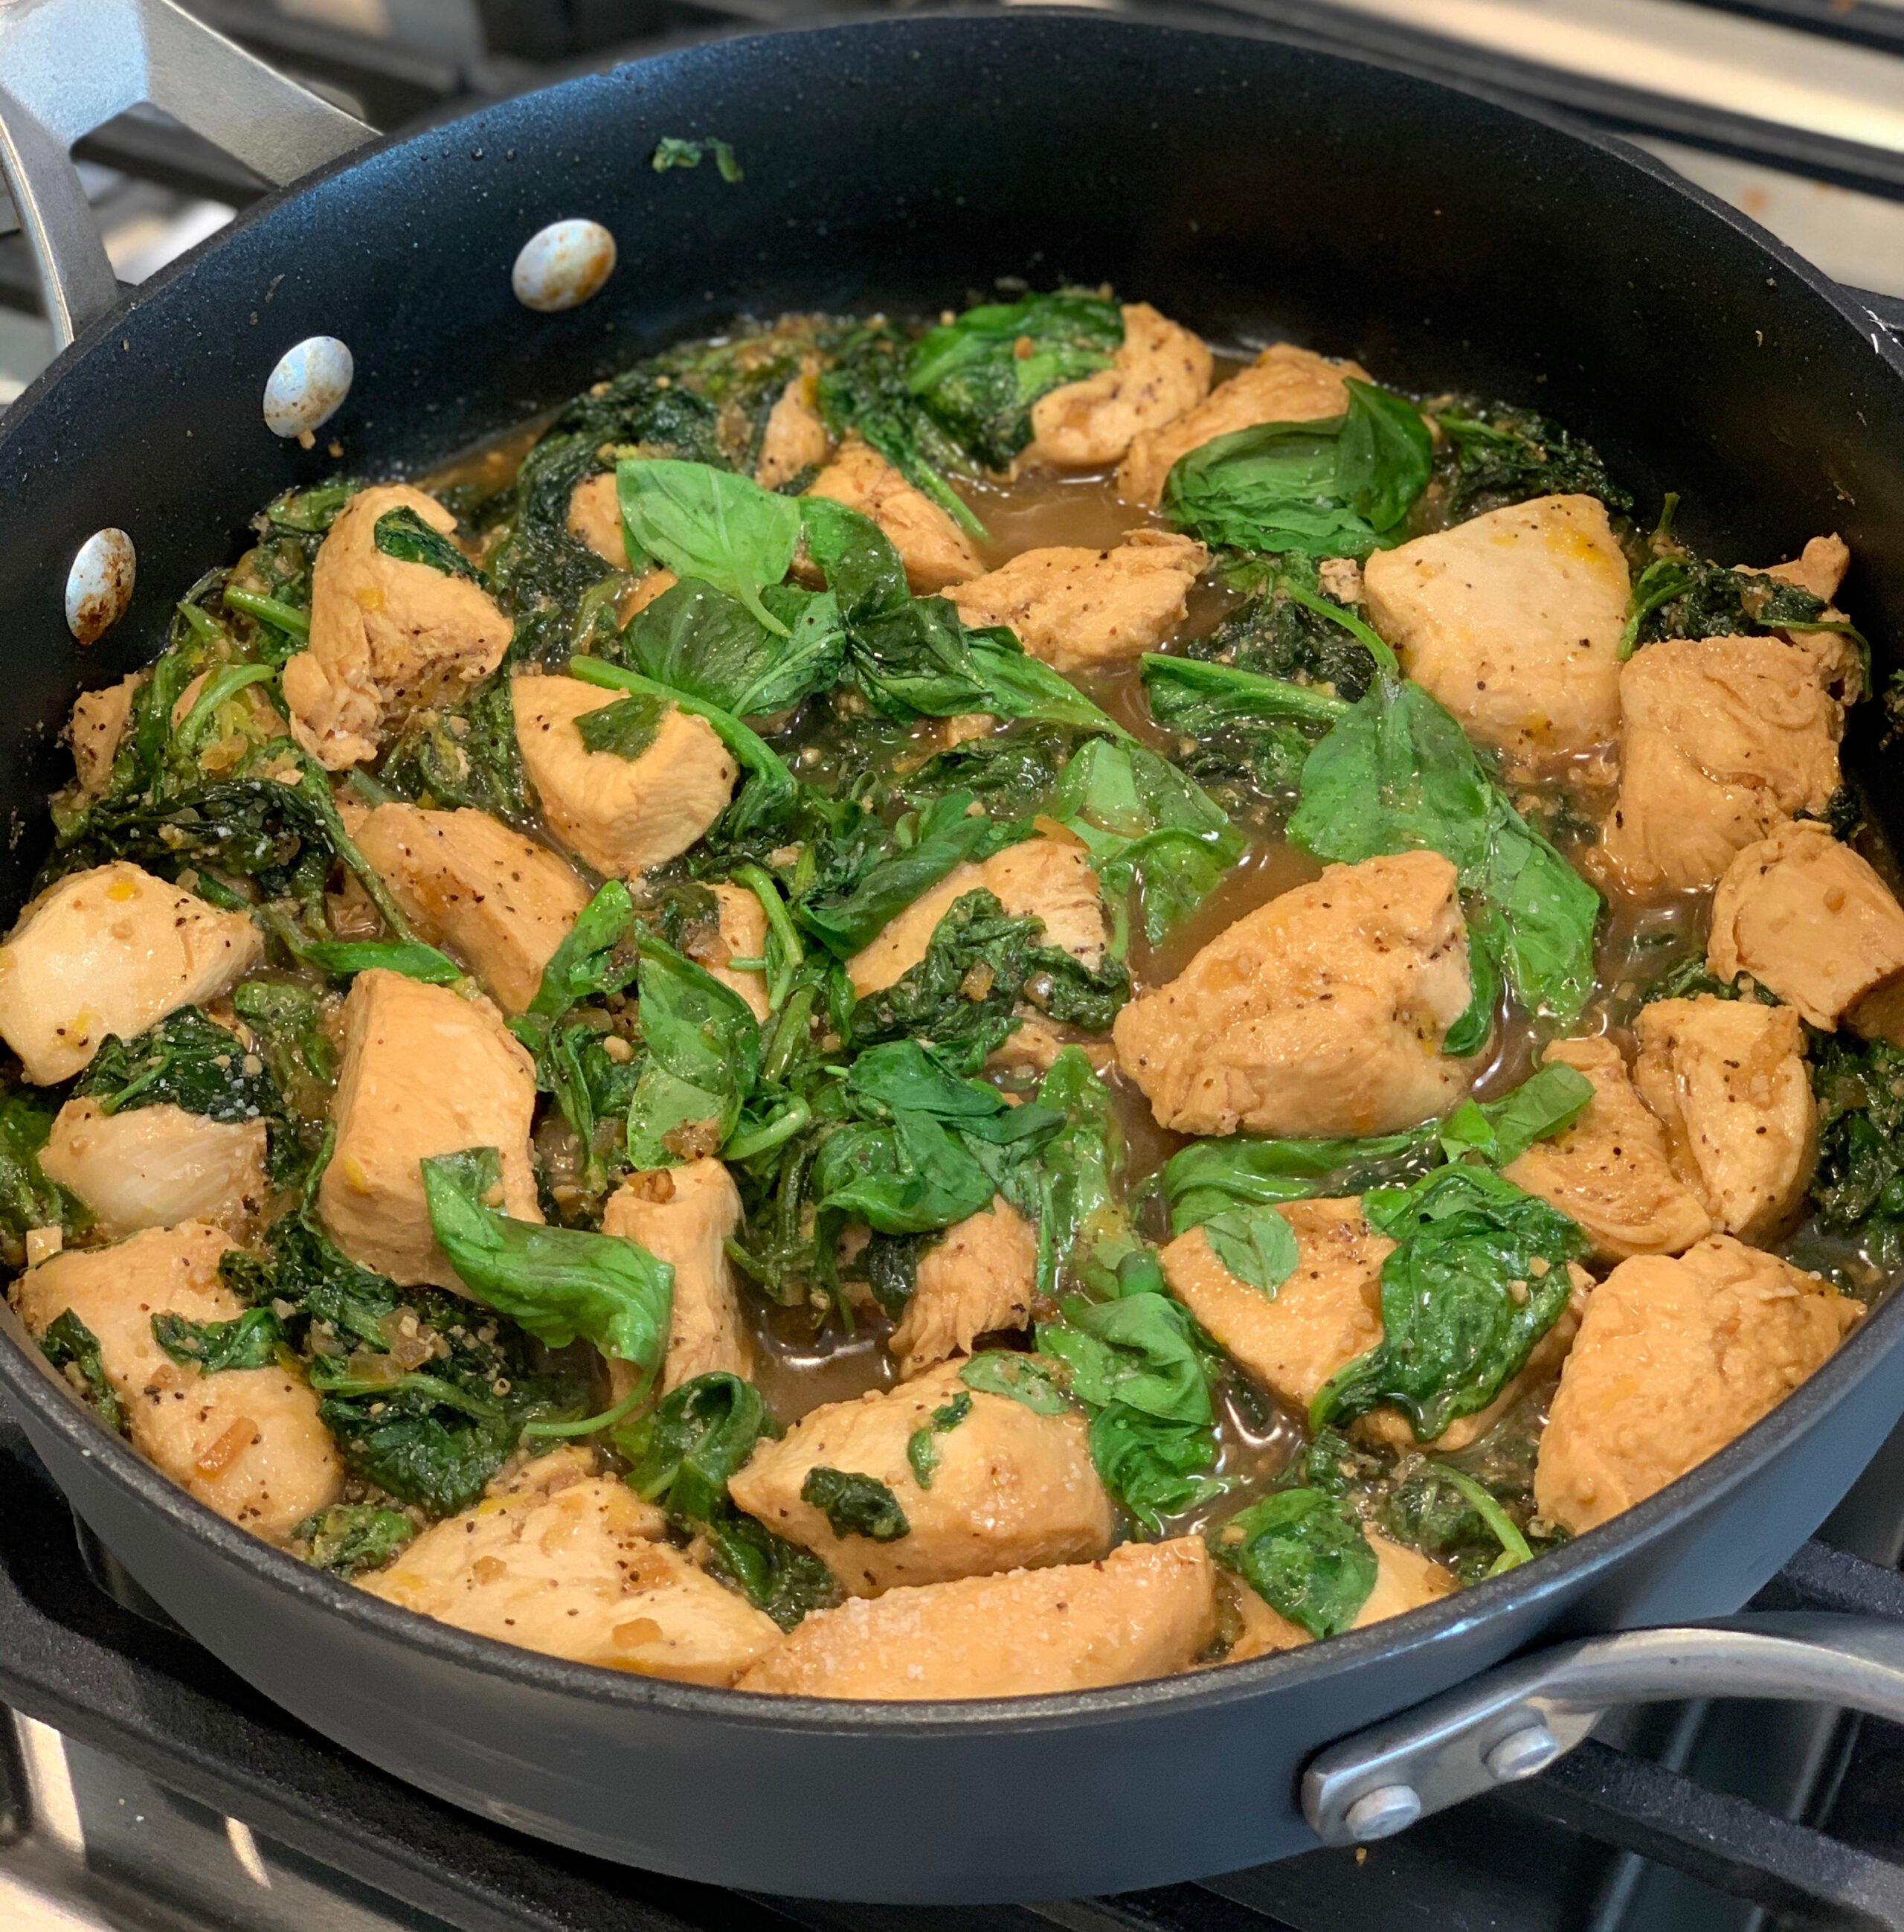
{"x": 308, "y": 386}
{"x": 1522, "y": 1753}
{"x": 99, "y": 585}
{"x": 1381, "y": 1813}
{"x": 562, "y": 265}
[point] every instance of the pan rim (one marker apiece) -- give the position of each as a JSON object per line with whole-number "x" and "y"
{"x": 1561, "y": 1572}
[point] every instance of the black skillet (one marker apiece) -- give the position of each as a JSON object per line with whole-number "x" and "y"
{"x": 1251, "y": 188}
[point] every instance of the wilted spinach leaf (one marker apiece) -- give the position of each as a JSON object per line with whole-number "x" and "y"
{"x": 1132, "y": 1365}
{"x": 247, "y": 1341}
{"x": 1303, "y": 1553}
{"x": 855, "y": 1505}
{"x": 1211, "y": 1177}
{"x": 1024, "y": 1379}
{"x": 703, "y": 1058}
{"x": 1455, "y": 1327}
{"x": 866, "y": 394}
{"x": 979, "y": 965}
{"x": 671, "y": 151}
{"x": 557, "y": 1282}
{"x": 348, "y": 1538}
{"x": 1397, "y": 774}
{"x": 466, "y": 755}
{"x": 402, "y": 534}
{"x": 28, "y": 1199}
{"x": 922, "y": 1452}
{"x": 1858, "y": 1184}
{"x": 1496, "y": 455}
{"x": 682, "y": 1455}
{"x": 626, "y": 728}
{"x": 188, "y": 1060}
{"x": 73, "y": 1349}
{"x": 979, "y": 375}
{"x": 1149, "y": 830}
{"x": 702, "y": 640}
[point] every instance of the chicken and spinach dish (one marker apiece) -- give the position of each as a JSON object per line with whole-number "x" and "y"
{"x": 959, "y": 1009}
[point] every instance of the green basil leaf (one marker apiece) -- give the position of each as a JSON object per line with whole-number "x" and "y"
{"x": 1023, "y": 1378}
{"x": 1256, "y": 1244}
{"x": 1500, "y": 1131}
{"x": 627, "y": 728}
{"x": 699, "y": 522}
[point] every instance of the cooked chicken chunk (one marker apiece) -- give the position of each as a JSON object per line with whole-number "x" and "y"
{"x": 1611, "y": 1171}
{"x": 1326, "y": 1314}
{"x": 154, "y": 1167}
{"x": 1047, "y": 879}
{"x": 93, "y": 734}
{"x": 1727, "y": 1078}
{"x": 1513, "y": 620}
{"x": 934, "y": 550}
{"x": 795, "y": 438}
{"x": 573, "y": 1568}
{"x": 682, "y": 1216}
{"x": 1404, "y": 1580}
{"x": 741, "y": 934}
{"x": 1820, "y": 568}
{"x": 979, "y": 1279}
{"x": 111, "y": 951}
{"x": 1675, "y": 1357}
{"x": 1078, "y": 609}
{"x": 595, "y": 518}
{"x": 1147, "y": 1610}
{"x": 1012, "y": 1489}
{"x": 1804, "y": 915}
{"x": 246, "y": 1442}
{"x": 620, "y": 815}
{"x": 1285, "y": 384}
{"x": 1721, "y": 738}
{"x": 1321, "y": 1012}
{"x": 1159, "y": 371}
{"x": 386, "y": 635}
{"x": 424, "y": 1073}
{"x": 499, "y": 902}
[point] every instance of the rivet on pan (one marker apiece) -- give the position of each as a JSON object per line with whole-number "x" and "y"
{"x": 1383, "y": 1812}
{"x": 99, "y": 586}
{"x": 563, "y": 265}
{"x": 308, "y": 386}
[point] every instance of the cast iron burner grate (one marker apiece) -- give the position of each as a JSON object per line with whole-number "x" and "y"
{"x": 1598, "y": 1843}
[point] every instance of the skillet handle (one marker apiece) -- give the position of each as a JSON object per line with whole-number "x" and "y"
{"x": 67, "y": 66}
{"x": 1511, "y": 1722}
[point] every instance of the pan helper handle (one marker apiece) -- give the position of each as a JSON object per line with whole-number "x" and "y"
{"x": 67, "y": 66}
{"x": 1513, "y": 1722}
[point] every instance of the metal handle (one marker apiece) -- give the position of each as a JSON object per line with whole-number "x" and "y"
{"x": 67, "y": 66}
{"x": 1511, "y": 1722}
